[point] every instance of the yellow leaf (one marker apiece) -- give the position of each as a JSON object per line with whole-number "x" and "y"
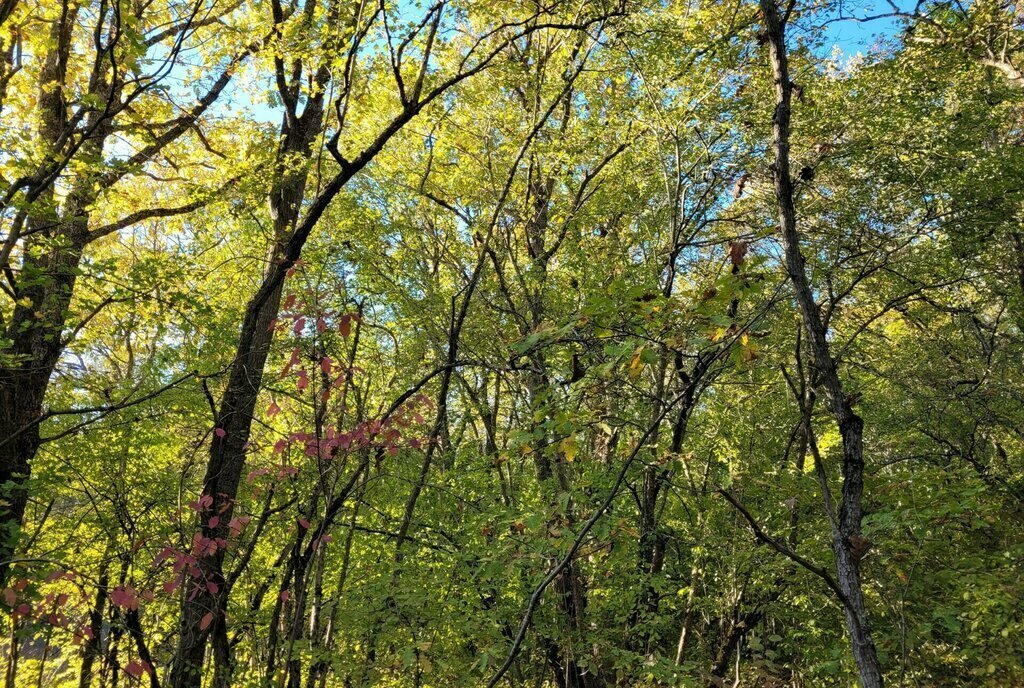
{"x": 636, "y": 364}
{"x": 568, "y": 447}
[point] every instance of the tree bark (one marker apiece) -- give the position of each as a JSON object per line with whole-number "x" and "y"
{"x": 238, "y": 404}
{"x": 48, "y": 274}
{"x": 52, "y": 248}
{"x": 851, "y": 427}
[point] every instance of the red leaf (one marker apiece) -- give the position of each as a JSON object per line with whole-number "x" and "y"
{"x": 289, "y": 302}
{"x": 10, "y": 596}
{"x": 165, "y": 554}
{"x": 299, "y": 324}
{"x": 285, "y": 595}
{"x": 136, "y": 668}
{"x": 325, "y": 365}
{"x": 280, "y": 446}
{"x": 293, "y": 361}
{"x": 273, "y": 409}
{"x": 124, "y": 596}
{"x": 304, "y": 523}
{"x": 321, "y": 325}
{"x": 346, "y": 325}
{"x": 205, "y": 622}
{"x": 214, "y": 522}
{"x": 237, "y": 524}
{"x": 255, "y": 474}
{"x": 220, "y": 432}
{"x": 303, "y": 382}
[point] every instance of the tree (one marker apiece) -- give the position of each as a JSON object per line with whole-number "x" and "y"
{"x": 50, "y": 195}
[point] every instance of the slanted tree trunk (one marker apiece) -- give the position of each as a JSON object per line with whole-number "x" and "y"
{"x": 238, "y": 403}
{"x": 235, "y": 413}
{"x": 847, "y": 538}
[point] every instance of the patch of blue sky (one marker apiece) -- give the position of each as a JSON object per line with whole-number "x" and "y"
{"x": 863, "y": 26}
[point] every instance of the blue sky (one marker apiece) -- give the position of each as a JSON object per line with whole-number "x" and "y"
{"x": 853, "y": 36}
{"x": 850, "y": 36}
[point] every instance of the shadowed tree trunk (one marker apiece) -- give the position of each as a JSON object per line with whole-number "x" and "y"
{"x": 238, "y": 403}
{"x": 234, "y": 416}
{"x": 847, "y": 540}
{"x": 57, "y": 229}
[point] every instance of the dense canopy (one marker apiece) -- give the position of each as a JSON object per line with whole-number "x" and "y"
{"x": 564, "y": 343}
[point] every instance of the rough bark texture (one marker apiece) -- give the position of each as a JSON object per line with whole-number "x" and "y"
{"x": 238, "y": 404}
{"x": 57, "y": 236}
{"x": 850, "y": 424}
{"x": 48, "y": 275}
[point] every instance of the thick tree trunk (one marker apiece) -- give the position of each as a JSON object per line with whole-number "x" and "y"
{"x": 225, "y": 466}
{"x": 52, "y": 248}
{"x": 44, "y": 294}
{"x": 851, "y": 427}
{"x": 20, "y": 405}
{"x": 238, "y": 404}
{"x": 35, "y": 331}
{"x": 223, "y": 475}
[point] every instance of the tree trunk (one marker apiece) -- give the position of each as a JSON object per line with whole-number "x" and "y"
{"x": 91, "y": 650}
{"x": 52, "y": 248}
{"x": 44, "y": 292}
{"x": 850, "y": 424}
